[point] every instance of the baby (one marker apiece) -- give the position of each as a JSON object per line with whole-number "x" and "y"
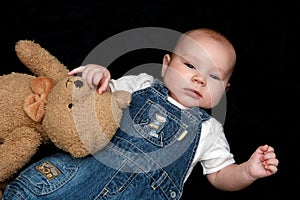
{"x": 163, "y": 134}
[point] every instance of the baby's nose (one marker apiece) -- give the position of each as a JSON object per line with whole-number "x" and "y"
{"x": 199, "y": 78}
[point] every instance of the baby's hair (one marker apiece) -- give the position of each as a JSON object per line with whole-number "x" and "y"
{"x": 211, "y": 33}
{"x": 216, "y": 35}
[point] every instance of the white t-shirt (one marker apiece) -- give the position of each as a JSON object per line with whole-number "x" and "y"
{"x": 213, "y": 151}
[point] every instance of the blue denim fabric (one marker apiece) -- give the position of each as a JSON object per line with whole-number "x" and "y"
{"x": 148, "y": 158}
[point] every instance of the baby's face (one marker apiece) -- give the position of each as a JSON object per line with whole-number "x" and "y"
{"x": 198, "y": 72}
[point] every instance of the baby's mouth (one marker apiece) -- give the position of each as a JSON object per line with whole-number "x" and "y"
{"x": 197, "y": 93}
{"x": 194, "y": 93}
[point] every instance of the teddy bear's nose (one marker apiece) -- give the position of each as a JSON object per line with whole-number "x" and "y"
{"x": 78, "y": 83}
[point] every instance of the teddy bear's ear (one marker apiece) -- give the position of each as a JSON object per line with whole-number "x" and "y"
{"x": 34, "y": 103}
{"x": 39, "y": 61}
{"x": 122, "y": 98}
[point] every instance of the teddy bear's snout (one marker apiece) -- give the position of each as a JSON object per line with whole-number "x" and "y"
{"x": 78, "y": 83}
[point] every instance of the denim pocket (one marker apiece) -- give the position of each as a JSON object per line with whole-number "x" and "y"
{"x": 160, "y": 127}
{"x": 49, "y": 174}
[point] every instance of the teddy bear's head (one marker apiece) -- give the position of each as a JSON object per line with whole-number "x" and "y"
{"x": 78, "y": 119}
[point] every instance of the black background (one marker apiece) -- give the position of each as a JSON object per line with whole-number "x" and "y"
{"x": 263, "y": 98}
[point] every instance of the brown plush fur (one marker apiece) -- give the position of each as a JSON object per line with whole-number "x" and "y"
{"x": 52, "y": 106}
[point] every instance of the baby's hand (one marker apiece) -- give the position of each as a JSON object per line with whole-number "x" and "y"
{"x": 263, "y": 162}
{"x": 96, "y": 76}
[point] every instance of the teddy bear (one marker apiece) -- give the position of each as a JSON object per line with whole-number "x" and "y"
{"x": 49, "y": 106}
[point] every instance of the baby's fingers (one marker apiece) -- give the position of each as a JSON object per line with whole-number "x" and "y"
{"x": 268, "y": 155}
{"x": 270, "y": 163}
{"x": 103, "y": 85}
{"x": 76, "y": 70}
{"x": 270, "y": 149}
{"x": 271, "y": 168}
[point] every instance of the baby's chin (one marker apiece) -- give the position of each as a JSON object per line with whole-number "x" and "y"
{"x": 191, "y": 103}
{"x": 202, "y": 104}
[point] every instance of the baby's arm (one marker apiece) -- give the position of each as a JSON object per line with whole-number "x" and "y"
{"x": 262, "y": 163}
{"x": 96, "y": 76}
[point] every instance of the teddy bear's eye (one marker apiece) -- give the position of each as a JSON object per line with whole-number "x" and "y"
{"x": 78, "y": 84}
{"x": 70, "y": 105}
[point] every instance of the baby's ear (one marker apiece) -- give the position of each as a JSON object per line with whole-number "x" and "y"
{"x": 227, "y": 87}
{"x": 166, "y": 61}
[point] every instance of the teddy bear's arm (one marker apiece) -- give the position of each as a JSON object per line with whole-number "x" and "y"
{"x": 39, "y": 61}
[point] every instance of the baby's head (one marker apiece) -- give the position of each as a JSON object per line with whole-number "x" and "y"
{"x": 198, "y": 71}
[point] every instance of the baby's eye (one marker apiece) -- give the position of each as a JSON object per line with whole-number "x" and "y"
{"x": 190, "y": 66}
{"x": 214, "y": 77}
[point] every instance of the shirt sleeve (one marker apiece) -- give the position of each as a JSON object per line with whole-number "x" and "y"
{"x": 215, "y": 150}
{"x": 131, "y": 83}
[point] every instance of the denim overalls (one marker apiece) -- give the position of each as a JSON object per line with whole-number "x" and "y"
{"x": 148, "y": 158}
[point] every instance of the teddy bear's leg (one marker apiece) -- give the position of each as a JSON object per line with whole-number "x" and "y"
{"x": 17, "y": 149}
